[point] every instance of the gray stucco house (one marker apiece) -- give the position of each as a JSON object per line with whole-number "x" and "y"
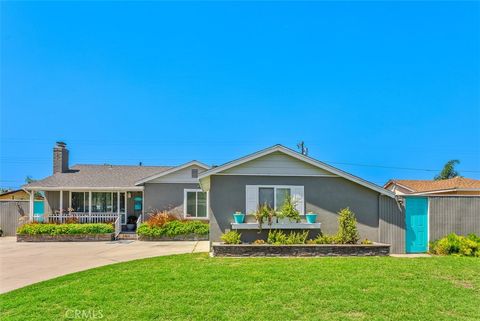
{"x": 197, "y": 191}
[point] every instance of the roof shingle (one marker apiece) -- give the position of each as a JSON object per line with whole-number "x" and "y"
{"x": 94, "y": 176}
{"x": 419, "y": 186}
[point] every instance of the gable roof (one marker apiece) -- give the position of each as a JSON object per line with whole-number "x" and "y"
{"x": 172, "y": 170}
{"x": 309, "y": 160}
{"x": 97, "y": 177}
{"x": 422, "y": 186}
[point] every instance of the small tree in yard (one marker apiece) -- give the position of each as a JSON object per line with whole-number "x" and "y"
{"x": 347, "y": 227}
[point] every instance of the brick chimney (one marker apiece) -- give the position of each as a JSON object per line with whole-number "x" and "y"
{"x": 60, "y": 158}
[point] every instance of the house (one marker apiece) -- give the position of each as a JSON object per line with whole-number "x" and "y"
{"x": 197, "y": 191}
{"x": 453, "y": 186}
{"x": 104, "y": 192}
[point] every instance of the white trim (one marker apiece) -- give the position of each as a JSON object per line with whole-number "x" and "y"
{"x": 392, "y": 181}
{"x": 61, "y": 202}
{"x": 86, "y": 189}
{"x": 446, "y": 191}
{"x": 309, "y": 160}
{"x": 173, "y": 170}
{"x": 428, "y": 223}
{"x": 301, "y": 175}
{"x": 31, "y": 205}
{"x": 197, "y": 190}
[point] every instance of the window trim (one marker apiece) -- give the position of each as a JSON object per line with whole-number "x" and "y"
{"x": 196, "y": 190}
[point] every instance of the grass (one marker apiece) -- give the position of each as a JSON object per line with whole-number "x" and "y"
{"x": 197, "y": 287}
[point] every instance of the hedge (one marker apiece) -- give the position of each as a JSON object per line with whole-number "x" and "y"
{"x": 62, "y": 229}
{"x": 174, "y": 228}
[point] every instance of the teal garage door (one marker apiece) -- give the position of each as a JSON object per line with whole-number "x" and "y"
{"x": 416, "y": 220}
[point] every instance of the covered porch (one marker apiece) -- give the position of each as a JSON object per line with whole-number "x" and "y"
{"x": 121, "y": 207}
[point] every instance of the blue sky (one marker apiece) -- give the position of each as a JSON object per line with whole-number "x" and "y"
{"x": 389, "y": 84}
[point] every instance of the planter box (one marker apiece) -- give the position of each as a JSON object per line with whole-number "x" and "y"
{"x": 65, "y": 237}
{"x": 189, "y": 237}
{"x": 301, "y": 250}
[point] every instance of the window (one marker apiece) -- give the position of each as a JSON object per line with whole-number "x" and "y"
{"x": 79, "y": 202}
{"x": 272, "y": 196}
{"x": 194, "y": 172}
{"x": 195, "y": 203}
{"x": 102, "y": 202}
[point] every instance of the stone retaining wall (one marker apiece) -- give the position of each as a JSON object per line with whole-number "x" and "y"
{"x": 303, "y": 250}
{"x": 65, "y": 237}
{"x": 189, "y": 237}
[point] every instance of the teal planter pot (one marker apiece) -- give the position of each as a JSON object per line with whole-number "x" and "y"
{"x": 311, "y": 218}
{"x": 239, "y": 218}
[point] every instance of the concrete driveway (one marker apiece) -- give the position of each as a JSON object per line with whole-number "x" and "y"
{"x": 22, "y": 264}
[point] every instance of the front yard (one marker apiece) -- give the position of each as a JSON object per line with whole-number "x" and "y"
{"x": 197, "y": 287}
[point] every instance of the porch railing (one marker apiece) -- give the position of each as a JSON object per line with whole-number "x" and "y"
{"x": 118, "y": 226}
{"x": 139, "y": 220}
{"x": 78, "y": 217}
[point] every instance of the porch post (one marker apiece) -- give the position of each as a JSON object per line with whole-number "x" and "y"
{"x": 89, "y": 205}
{"x": 126, "y": 207}
{"x": 118, "y": 204}
{"x": 32, "y": 204}
{"x": 61, "y": 206}
{"x": 143, "y": 204}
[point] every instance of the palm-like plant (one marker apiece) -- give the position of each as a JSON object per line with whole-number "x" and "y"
{"x": 448, "y": 170}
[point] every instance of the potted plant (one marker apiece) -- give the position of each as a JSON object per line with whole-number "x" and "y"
{"x": 289, "y": 211}
{"x": 311, "y": 217}
{"x": 281, "y": 218}
{"x": 264, "y": 215}
{"x": 131, "y": 222}
{"x": 239, "y": 217}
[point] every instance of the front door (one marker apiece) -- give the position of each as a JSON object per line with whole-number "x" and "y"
{"x": 416, "y": 220}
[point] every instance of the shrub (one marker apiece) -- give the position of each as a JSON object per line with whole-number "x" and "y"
{"x": 278, "y": 237}
{"x": 174, "y": 228}
{"x": 159, "y": 218}
{"x": 325, "y": 239}
{"x": 367, "y": 241}
{"x": 454, "y": 244}
{"x": 62, "y": 229}
{"x": 347, "y": 227}
{"x": 232, "y": 237}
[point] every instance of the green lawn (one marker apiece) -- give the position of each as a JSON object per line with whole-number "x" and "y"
{"x": 197, "y": 287}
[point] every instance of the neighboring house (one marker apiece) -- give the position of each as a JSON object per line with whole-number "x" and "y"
{"x": 452, "y": 186}
{"x": 17, "y": 195}
{"x": 435, "y": 208}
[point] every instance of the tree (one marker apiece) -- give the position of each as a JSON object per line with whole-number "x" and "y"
{"x": 302, "y": 148}
{"x": 29, "y": 180}
{"x": 448, "y": 170}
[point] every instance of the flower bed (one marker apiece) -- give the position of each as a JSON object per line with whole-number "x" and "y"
{"x": 173, "y": 231}
{"x": 38, "y": 232}
{"x": 302, "y": 250}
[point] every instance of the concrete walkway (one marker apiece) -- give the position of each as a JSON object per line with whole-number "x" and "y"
{"x": 22, "y": 264}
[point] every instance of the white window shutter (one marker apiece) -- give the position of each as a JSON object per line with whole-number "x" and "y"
{"x": 251, "y": 198}
{"x": 298, "y": 196}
